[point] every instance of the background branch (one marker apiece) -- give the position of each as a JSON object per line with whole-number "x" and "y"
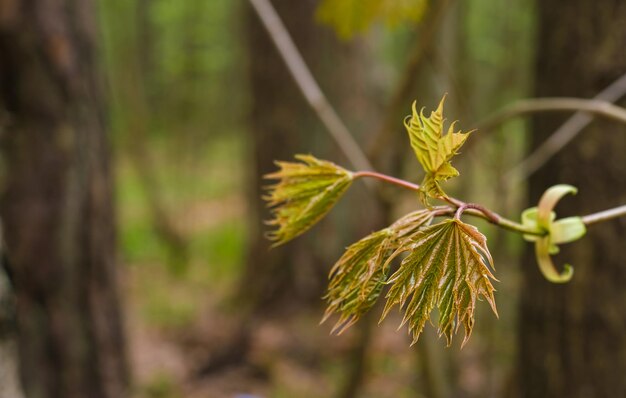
{"x": 564, "y": 134}
{"x": 308, "y": 85}
{"x": 557, "y": 104}
{"x": 605, "y": 215}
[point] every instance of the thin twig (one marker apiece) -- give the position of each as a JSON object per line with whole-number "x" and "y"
{"x": 307, "y": 84}
{"x": 459, "y": 207}
{"x": 556, "y": 104}
{"x": 564, "y": 134}
{"x": 489, "y": 215}
{"x": 459, "y": 211}
{"x": 472, "y": 209}
{"x": 386, "y": 178}
{"x": 605, "y": 215}
{"x": 493, "y": 218}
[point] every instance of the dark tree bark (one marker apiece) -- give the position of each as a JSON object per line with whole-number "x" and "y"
{"x": 56, "y": 205}
{"x": 573, "y": 336}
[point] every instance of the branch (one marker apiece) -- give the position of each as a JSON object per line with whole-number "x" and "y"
{"x": 472, "y": 209}
{"x": 557, "y": 104}
{"x": 308, "y": 86}
{"x": 386, "y": 178}
{"x": 564, "y": 134}
{"x": 458, "y": 207}
{"x": 605, "y": 215}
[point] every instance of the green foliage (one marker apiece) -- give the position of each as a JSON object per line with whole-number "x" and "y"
{"x": 304, "y": 194}
{"x": 357, "y": 279}
{"x": 350, "y": 17}
{"x": 445, "y": 268}
{"x": 433, "y": 149}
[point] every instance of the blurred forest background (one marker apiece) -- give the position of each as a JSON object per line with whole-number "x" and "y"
{"x": 134, "y": 135}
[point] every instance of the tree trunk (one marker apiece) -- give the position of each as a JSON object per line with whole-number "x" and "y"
{"x": 276, "y": 116}
{"x": 572, "y": 337}
{"x": 56, "y": 204}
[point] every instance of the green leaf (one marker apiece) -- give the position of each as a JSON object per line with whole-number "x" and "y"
{"x": 408, "y": 225}
{"x": 350, "y": 17}
{"x": 548, "y": 201}
{"x": 433, "y": 149}
{"x": 543, "y": 250}
{"x": 304, "y": 194}
{"x": 529, "y": 219}
{"x": 357, "y": 278}
{"x": 567, "y": 230}
{"x": 446, "y": 268}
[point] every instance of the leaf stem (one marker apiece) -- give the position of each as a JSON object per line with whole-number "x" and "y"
{"x": 510, "y": 225}
{"x": 386, "y": 178}
{"x": 459, "y": 211}
{"x": 496, "y": 219}
{"x": 472, "y": 209}
{"x": 604, "y": 215}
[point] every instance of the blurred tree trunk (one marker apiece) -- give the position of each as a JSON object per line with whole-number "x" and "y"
{"x": 278, "y": 114}
{"x": 56, "y": 204}
{"x": 572, "y": 336}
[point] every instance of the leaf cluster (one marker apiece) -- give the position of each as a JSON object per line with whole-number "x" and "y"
{"x": 445, "y": 266}
{"x": 357, "y": 278}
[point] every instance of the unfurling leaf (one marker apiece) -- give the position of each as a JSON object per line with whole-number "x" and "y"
{"x": 560, "y": 231}
{"x": 433, "y": 149}
{"x": 304, "y": 194}
{"x": 409, "y": 224}
{"x": 357, "y": 278}
{"x": 447, "y": 267}
{"x": 349, "y": 17}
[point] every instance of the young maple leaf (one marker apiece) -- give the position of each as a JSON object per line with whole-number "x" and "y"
{"x": 304, "y": 194}
{"x": 358, "y": 277}
{"x": 446, "y": 268}
{"x": 433, "y": 149}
